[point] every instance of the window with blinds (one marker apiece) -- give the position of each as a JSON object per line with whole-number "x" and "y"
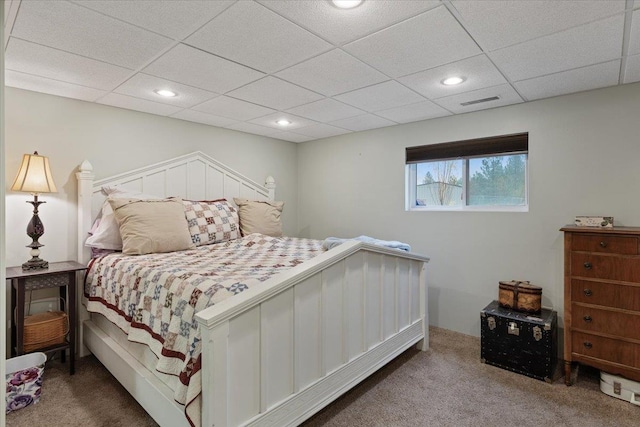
{"x": 476, "y": 174}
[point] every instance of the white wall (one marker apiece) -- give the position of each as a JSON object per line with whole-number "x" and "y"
{"x": 2, "y": 210}
{"x": 116, "y": 140}
{"x": 584, "y": 152}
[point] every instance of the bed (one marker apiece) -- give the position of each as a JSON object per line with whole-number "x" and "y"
{"x": 276, "y": 353}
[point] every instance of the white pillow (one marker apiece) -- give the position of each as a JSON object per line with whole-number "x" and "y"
{"x": 107, "y": 233}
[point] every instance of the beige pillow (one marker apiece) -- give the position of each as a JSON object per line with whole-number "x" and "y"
{"x": 260, "y": 217}
{"x": 151, "y": 226}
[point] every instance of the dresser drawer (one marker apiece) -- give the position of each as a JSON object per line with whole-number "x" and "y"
{"x": 606, "y": 321}
{"x": 606, "y": 244}
{"x": 619, "y": 296}
{"x": 608, "y": 349}
{"x": 598, "y": 266}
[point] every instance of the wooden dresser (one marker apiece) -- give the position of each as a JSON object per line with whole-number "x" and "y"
{"x": 602, "y": 299}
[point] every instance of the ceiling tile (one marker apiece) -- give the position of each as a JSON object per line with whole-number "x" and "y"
{"x": 321, "y": 130}
{"x": 364, "y": 122}
{"x": 270, "y": 121}
{"x": 7, "y": 6}
{"x": 410, "y": 113}
{"x": 478, "y": 71}
{"x": 426, "y": 41}
{"x": 326, "y": 67}
{"x": 496, "y": 24}
{"x": 275, "y": 93}
{"x": 255, "y": 36}
{"x": 382, "y": 96}
{"x": 588, "y": 44}
{"x": 131, "y": 103}
{"x": 505, "y": 92}
{"x": 632, "y": 70}
{"x": 340, "y": 26}
{"x": 204, "y": 71}
{"x": 52, "y": 87}
{"x": 332, "y": 73}
{"x": 175, "y": 19}
{"x": 253, "y": 128}
{"x": 577, "y": 80}
{"x": 634, "y": 39}
{"x": 204, "y": 118}
{"x": 143, "y": 86}
{"x": 326, "y": 110}
{"x": 234, "y": 108}
{"x": 292, "y": 137}
{"x": 55, "y": 64}
{"x": 75, "y": 29}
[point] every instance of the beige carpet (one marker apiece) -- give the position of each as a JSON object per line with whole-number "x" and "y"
{"x": 446, "y": 386}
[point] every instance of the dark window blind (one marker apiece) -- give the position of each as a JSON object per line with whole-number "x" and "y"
{"x": 515, "y": 143}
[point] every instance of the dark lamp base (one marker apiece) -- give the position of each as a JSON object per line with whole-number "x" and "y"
{"x": 35, "y": 264}
{"x": 35, "y": 230}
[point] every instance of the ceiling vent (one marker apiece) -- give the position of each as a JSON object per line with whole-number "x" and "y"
{"x": 480, "y": 101}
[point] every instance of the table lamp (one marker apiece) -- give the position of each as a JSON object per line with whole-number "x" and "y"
{"x": 34, "y": 177}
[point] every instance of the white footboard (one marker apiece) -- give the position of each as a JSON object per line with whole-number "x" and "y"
{"x": 278, "y": 353}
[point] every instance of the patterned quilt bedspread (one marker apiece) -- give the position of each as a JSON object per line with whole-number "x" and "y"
{"x": 153, "y": 298}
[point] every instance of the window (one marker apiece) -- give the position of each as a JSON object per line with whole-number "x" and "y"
{"x": 478, "y": 174}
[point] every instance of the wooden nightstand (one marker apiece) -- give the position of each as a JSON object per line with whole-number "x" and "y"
{"x": 59, "y": 275}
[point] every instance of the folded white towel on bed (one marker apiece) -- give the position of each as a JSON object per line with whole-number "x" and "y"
{"x": 331, "y": 242}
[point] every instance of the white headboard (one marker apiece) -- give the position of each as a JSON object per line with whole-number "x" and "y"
{"x": 194, "y": 176}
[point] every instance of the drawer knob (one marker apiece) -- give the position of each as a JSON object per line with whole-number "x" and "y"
{"x": 587, "y": 344}
{"x": 587, "y": 265}
{"x": 587, "y": 318}
{"x": 587, "y": 292}
{"x": 603, "y": 244}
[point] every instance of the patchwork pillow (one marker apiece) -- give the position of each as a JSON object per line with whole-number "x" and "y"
{"x": 151, "y": 226}
{"x": 105, "y": 232}
{"x": 211, "y": 221}
{"x": 257, "y": 216}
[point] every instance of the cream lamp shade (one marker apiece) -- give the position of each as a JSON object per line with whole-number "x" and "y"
{"x": 34, "y": 175}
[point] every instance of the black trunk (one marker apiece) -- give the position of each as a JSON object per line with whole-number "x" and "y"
{"x": 520, "y": 342}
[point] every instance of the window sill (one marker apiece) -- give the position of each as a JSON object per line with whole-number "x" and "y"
{"x": 469, "y": 209}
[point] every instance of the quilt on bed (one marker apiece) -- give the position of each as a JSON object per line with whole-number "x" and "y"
{"x": 153, "y": 298}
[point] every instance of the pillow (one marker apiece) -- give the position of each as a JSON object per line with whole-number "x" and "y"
{"x": 260, "y": 217}
{"x": 105, "y": 232}
{"x": 97, "y": 253}
{"x": 151, "y": 226}
{"x": 211, "y": 221}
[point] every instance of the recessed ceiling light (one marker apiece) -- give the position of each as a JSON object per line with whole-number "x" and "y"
{"x": 450, "y": 81}
{"x": 165, "y": 92}
{"x": 283, "y": 122}
{"x": 346, "y": 4}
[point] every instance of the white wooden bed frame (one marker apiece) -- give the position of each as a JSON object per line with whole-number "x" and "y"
{"x": 278, "y": 353}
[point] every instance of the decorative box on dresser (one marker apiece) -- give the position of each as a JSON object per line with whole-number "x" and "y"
{"x": 602, "y": 299}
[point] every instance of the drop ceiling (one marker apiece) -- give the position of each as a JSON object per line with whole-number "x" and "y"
{"x": 243, "y": 65}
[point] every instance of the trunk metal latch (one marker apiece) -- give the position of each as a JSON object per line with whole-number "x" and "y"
{"x": 513, "y": 328}
{"x": 491, "y": 322}
{"x": 537, "y": 333}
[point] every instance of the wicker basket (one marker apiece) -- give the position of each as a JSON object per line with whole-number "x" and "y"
{"x": 45, "y": 330}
